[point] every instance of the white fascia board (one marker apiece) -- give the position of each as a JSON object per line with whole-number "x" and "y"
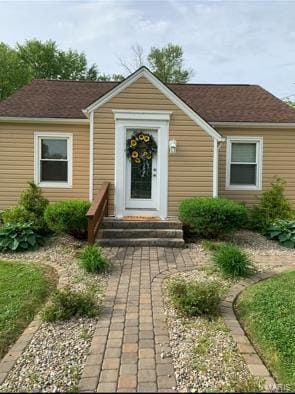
{"x": 141, "y": 114}
{"x": 253, "y": 124}
{"x": 16, "y": 119}
{"x": 144, "y": 72}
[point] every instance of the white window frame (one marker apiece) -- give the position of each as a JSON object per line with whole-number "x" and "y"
{"x": 259, "y": 159}
{"x": 38, "y": 136}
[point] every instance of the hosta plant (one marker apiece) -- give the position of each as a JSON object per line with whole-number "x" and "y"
{"x": 18, "y": 237}
{"x": 283, "y": 231}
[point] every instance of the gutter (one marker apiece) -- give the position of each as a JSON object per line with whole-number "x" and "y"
{"x": 17, "y": 119}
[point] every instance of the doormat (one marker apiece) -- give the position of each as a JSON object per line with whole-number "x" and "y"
{"x": 146, "y": 218}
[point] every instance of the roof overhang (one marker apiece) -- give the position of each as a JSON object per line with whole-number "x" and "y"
{"x": 16, "y": 119}
{"x": 145, "y": 72}
{"x": 254, "y": 125}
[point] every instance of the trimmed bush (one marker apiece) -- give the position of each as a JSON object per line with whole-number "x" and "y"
{"x": 93, "y": 260}
{"x": 19, "y": 237}
{"x": 212, "y": 217}
{"x": 30, "y": 209}
{"x": 67, "y": 304}
{"x": 232, "y": 261}
{"x": 194, "y": 298}
{"x": 283, "y": 231}
{"x": 272, "y": 205}
{"x": 33, "y": 200}
{"x": 68, "y": 217}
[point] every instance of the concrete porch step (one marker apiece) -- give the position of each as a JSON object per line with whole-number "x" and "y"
{"x": 141, "y": 233}
{"x": 113, "y": 223}
{"x": 163, "y": 242}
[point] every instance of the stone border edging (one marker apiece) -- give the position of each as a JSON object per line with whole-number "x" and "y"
{"x": 16, "y": 350}
{"x": 254, "y": 363}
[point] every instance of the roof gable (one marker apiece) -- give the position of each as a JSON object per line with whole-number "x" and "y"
{"x": 165, "y": 90}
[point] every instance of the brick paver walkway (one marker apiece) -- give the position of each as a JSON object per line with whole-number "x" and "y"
{"x": 130, "y": 349}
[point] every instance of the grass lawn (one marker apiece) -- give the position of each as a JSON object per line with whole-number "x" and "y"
{"x": 267, "y": 311}
{"x": 23, "y": 290}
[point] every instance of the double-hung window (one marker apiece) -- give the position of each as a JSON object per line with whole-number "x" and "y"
{"x": 53, "y": 159}
{"x": 244, "y": 163}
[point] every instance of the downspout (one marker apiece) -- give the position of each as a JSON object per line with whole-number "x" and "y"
{"x": 91, "y": 137}
{"x": 216, "y": 147}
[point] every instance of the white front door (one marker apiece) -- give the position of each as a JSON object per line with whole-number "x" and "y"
{"x": 141, "y": 191}
{"x": 142, "y": 182}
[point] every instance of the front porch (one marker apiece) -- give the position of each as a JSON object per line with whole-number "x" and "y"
{"x": 131, "y": 230}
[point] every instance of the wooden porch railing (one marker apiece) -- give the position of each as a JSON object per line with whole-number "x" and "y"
{"x": 97, "y": 212}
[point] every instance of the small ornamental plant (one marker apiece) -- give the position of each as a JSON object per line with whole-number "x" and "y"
{"x": 282, "y": 231}
{"x": 18, "y": 237}
{"x": 232, "y": 261}
{"x": 93, "y": 260}
{"x": 30, "y": 209}
{"x": 194, "y": 298}
{"x": 272, "y": 206}
{"x": 66, "y": 304}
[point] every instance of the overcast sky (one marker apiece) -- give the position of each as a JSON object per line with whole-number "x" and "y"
{"x": 223, "y": 41}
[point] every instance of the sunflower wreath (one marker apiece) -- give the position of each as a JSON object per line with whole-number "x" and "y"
{"x": 140, "y": 150}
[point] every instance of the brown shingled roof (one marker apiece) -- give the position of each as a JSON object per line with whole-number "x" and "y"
{"x": 215, "y": 103}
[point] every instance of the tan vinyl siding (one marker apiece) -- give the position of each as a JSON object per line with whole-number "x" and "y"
{"x": 278, "y": 160}
{"x": 190, "y": 169}
{"x": 17, "y": 161}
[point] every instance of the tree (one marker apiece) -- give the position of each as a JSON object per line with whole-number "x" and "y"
{"x": 35, "y": 59}
{"x": 166, "y": 63}
{"x": 13, "y": 73}
{"x": 46, "y": 60}
{"x": 291, "y": 103}
{"x": 137, "y": 61}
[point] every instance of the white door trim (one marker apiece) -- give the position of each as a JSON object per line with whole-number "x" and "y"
{"x": 151, "y": 121}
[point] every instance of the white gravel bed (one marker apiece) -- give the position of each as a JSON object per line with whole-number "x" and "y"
{"x": 256, "y": 245}
{"x": 54, "y": 359}
{"x": 204, "y": 354}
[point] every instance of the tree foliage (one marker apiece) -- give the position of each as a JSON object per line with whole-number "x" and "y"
{"x": 35, "y": 59}
{"x": 13, "y": 74}
{"x": 166, "y": 63}
{"x": 291, "y": 103}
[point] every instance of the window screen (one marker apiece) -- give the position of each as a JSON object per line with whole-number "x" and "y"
{"x": 54, "y": 160}
{"x": 243, "y": 164}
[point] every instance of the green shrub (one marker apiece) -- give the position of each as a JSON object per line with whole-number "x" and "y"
{"x": 30, "y": 208}
{"x": 93, "y": 260}
{"x": 66, "y": 304}
{"x": 283, "y": 231}
{"x": 212, "y": 217}
{"x": 232, "y": 261}
{"x": 194, "y": 298}
{"x": 272, "y": 205}
{"x": 33, "y": 200}
{"x": 68, "y": 217}
{"x": 19, "y": 236}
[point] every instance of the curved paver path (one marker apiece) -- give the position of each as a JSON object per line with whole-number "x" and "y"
{"x": 130, "y": 350}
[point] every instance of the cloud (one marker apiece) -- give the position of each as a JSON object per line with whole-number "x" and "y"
{"x": 223, "y": 41}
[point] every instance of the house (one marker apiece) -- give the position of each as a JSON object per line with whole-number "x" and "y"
{"x": 209, "y": 140}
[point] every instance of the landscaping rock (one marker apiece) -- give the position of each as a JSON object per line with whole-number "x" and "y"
{"x": 54, "y": 359}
